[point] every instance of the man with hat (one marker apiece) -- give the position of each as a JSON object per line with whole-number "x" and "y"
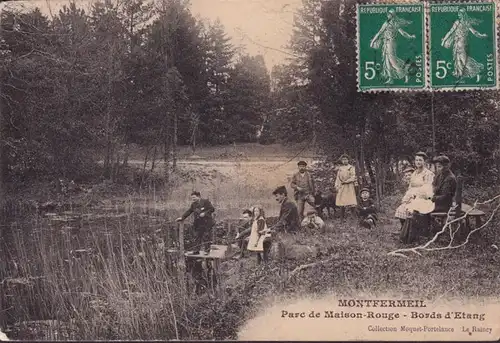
{"x": 303, "y": 186}
{"x": 288, "y": 220}
{"x": 444, "y": 184}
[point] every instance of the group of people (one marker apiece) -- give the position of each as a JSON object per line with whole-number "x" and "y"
{"x": 427, "y": 192}
{"x": 346, "y": 183}
{"x": 253, "y": 233}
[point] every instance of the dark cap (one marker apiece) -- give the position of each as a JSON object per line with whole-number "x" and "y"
{"x": 311, "y": 212}
{"x": 422, "y": 154}
{"x": 280, "y": 190}
{"x": 302, "y": 163}
{"x": 443, "y": 159}
{"x": 364, "y": 190}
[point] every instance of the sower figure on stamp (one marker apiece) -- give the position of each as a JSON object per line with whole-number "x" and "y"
{"x": 303, "y": 187}
{"x": 393, "y": 67}
{"x": 345, "y": 184}
{"x": 203, "y": 221}
{"x": 457, "y": 39}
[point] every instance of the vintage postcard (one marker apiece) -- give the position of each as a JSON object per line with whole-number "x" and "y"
{"x": 288, "y": 170}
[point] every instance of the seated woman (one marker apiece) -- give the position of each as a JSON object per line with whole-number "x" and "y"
{"x": 419, "y": 190}
{"x": 260, "y": 236}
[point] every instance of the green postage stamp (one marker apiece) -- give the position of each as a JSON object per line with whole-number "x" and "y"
{"x": 391, "y": 47}
{"x": 463, "y": 46}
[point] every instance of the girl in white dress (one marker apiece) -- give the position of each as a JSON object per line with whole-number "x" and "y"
{"x": 345, "y": 185}
{"x": 257, "y": 241}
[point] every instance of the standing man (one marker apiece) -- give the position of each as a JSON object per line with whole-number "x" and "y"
{"x": 303, "y": 186}
{"x": 288, "y": 220}
{"x": 203, "y": 221}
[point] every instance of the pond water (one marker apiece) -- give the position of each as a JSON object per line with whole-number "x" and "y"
{"x": 55, "y": 262}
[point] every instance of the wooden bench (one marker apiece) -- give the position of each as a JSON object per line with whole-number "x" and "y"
{"x": 461, "y": 210}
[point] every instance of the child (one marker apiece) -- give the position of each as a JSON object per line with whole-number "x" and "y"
{"x": 260, "y": 237}
{"x": 345, "y": 185}
{"x": 313, "y": 222}
{"x": 367, "y": 212}
{"x": 407, "y": 175}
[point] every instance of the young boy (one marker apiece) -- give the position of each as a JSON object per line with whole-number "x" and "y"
{"x": 313, "y": 222}
{"x": 367, "y": 212}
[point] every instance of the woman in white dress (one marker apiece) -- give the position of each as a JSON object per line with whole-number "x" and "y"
{"x": 259, "y": 240}
{"x": 420, "y": 187}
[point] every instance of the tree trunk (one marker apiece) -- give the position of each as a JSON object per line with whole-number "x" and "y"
{"x": 145, "y": 165}
{"x": 370, "y": 170}
{"x": 108, "y": 161}
{"x": 2, "y": 149}
{"x": 193, "y": 135}
{"x": 174, "y": 142}
{"x": 3, "y": 164}
{"x": 166, "y": 151}
{"x": 153, "y": 160}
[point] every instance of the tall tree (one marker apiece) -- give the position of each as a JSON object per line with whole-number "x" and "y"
{"x": 249, "y": 102}
{"x": 219, "y": 54}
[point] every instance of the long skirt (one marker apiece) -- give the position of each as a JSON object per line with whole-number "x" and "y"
{"x": 414, "y": 226}
{"x": 346, "y": 195}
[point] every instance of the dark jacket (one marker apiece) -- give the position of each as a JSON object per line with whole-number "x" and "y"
{"x": 444, "y": 186}
{"x": 305, "y": 181}
{"x": 198, "y": 207}
{"x": 366, "y": 208}
{"x": 289, "y": 217}
{"x": 245, "y": 229}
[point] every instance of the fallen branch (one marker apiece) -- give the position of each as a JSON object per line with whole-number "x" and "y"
{"x": 448, "y": 225}
{"x": 309, "y": 265}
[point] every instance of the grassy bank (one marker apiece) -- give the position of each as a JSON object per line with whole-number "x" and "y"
{"x": 103, "y": 271}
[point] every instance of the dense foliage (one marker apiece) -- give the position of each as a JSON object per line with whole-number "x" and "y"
{"x": 80, "y": 87}
{"x": 387, "y": 127}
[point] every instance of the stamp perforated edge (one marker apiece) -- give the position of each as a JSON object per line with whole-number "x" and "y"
{"x": 424, "y": 50}
{"x": 495, "y": 32}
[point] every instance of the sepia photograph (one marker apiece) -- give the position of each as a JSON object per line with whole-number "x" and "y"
{"x": 249, "y": 170}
